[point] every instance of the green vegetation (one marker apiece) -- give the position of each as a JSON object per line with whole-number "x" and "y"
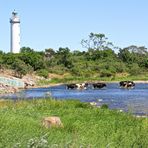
{"x": 84, "y": 125}
{"x": 99, "y": 61}
{"x": 42, "y": 73}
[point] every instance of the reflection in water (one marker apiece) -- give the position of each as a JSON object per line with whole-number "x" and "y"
{"x": 134, "y": 100}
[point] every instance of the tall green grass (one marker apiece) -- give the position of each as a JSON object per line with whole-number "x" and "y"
{"x": 84, "y": 126}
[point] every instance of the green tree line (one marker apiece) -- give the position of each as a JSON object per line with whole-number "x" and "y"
{"x": 99, "y": 59}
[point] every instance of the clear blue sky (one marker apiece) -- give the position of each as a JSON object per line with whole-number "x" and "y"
{"x": 64, "y": 23}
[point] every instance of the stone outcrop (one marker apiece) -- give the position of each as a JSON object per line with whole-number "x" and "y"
{"x": 7, "y": 89}
{"x": 52, "y": 121}
{"x": 28, "y": 81}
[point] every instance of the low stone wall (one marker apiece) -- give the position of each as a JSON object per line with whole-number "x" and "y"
{"x": 13, "y": 82}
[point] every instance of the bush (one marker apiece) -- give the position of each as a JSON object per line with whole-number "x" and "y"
{"x": 58, "y": 69}
{"x": 134, "y": 69}
{"x": 76, "y": 71}
{"x": 82, "y": 105}
{"x": 20, "y": 68}
{"x": 43, "y": 73}
{"x": 104, "y": 106}
{"x": 106, "y": 73}
{"x": 120, "y": 67}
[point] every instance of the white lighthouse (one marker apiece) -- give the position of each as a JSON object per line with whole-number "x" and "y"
{"x": 15, "y": 33}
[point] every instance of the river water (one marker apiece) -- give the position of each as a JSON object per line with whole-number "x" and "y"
{"x": 133, "y": 100}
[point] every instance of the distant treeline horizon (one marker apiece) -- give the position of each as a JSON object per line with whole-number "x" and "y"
{"x": 98, "y": 60}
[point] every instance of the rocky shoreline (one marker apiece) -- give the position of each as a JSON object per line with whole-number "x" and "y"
{"x": 7, "y": 89}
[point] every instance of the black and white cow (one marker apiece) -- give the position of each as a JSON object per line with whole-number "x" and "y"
{"x": 77, "y": 86}
{"x": 127, "y": 84}
{"x": 71, "y": 86}
{"x": 98, "y": 85}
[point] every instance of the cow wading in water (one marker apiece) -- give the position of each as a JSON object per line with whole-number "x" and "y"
{"x": 98, "y": 85}
{"x": 77, "y": 86}
{"x": 127, "y": 84}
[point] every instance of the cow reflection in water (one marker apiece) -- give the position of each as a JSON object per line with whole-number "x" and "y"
{"x": 77, "y": 86}
{"x": 127, "y": 84}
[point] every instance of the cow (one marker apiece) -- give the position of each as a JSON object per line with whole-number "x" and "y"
{"x": 71, "y": 86}
{"x": 127, "y": 84}
{"x": 77, "y": 86}
{"x": 82, "y": 86}
{"x": 99, "y": 85}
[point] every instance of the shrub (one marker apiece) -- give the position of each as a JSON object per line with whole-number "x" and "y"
{"x": 104, "y": 106}
{"x": 20, "y": 68}
{"x": 82, "y": 105}
{"x": 106, "y": 73}
{"x": 120, "y": 67}
{"x": 43, "y": 73}
{"x": 134, "y": 69}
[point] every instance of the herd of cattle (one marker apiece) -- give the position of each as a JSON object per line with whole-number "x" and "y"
{"x": 99, "y": 85}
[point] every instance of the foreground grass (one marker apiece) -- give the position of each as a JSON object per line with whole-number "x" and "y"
{"x": 84, "y": 126}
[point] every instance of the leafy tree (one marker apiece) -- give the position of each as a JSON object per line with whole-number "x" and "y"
{"x": 102, "y": 54}
{"x": 20, "y": 68}
{"x": 96, "y": 42}
{"x": 135, "y": 49}
{"x": 134, "y": 54}
{"x": 1, "y": 52}
{"x": 134, "y": 69}
{"x": 34, "y": 59}
{"x": 141, "y": 56}
{"x": 49, "y": 53}
{"x": 26, "y": 50}
{"x": 77, "y": 53}
{"x": 64, "y": 56}
{"x": 8, "y": 59}
{"x": 120, "y": 67}
{"x": 144, "y": 62}
{"x": 126, "y": 56}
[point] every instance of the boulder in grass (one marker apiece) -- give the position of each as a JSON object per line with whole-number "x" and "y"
{"x": 52, "y": 121}
{"x": 93, "y": 103}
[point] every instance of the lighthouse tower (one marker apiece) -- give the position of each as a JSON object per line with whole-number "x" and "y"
{"x": 15, "y": 33}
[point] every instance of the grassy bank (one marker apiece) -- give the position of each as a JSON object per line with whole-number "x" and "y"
{"x": 84, "y": 126}
{"x": 72, "y": 79}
